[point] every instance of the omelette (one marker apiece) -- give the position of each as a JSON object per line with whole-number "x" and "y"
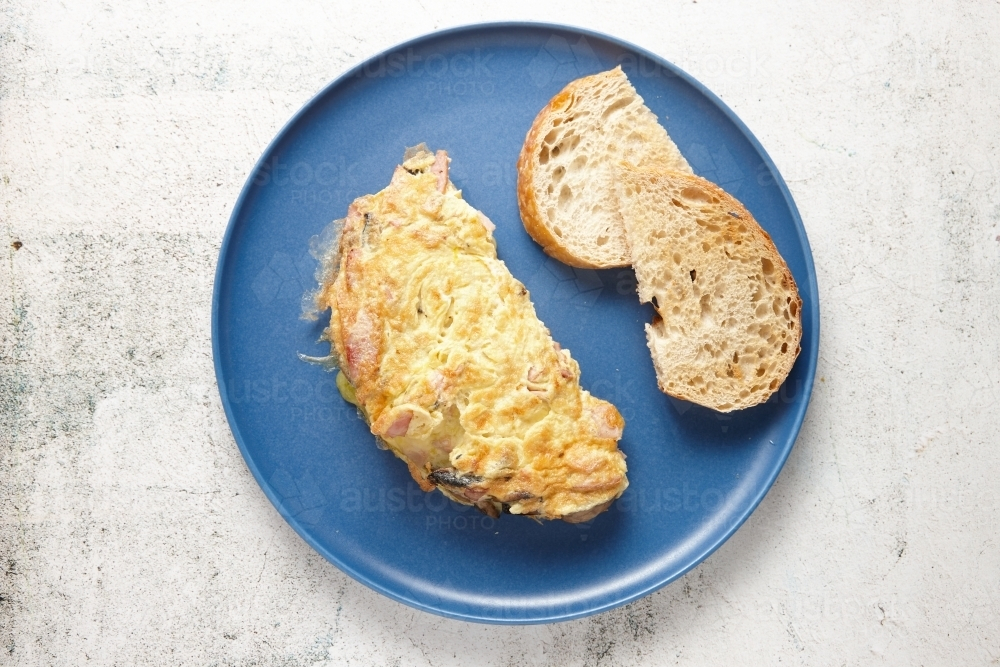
{"x": 439, "y": 347}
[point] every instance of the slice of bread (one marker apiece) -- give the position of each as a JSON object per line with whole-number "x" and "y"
{"x": 729, "y": 314}
{"x": 565, "y": 184}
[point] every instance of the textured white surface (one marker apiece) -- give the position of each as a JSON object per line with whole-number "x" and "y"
{"x": 132, "y": 533}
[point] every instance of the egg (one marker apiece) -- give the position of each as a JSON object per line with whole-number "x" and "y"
{"x": 440, "y": 348}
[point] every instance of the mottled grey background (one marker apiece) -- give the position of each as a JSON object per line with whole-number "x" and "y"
{"x": 131, "y": 532}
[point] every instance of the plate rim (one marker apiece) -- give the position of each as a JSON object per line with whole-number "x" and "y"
{"x": 520, "y": 616}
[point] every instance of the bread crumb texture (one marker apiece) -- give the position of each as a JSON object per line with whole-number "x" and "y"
{"x": 566, "y": 168}
{"x": 728, "y": 321}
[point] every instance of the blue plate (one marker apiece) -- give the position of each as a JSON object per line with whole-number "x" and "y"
{"x": 695, "y": 474}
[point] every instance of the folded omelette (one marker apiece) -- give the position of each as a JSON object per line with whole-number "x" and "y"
{"x": 440, "y": 348}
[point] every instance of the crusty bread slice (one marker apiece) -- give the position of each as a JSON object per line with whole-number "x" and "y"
{"x": 565, "y": 184}
{"x": 729, "y": 314}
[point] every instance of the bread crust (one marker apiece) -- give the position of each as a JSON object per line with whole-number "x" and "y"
{"x": 591, "y": 124}
{"x": 527, "y": 164}
{"x": 743, "y": 228}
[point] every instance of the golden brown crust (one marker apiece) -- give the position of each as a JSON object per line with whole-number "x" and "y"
{"x": 787, "y": 279}
{"x": 527, "y": 164}
{"x": 565, "y": 183}
{"x": 451, "y": 366}
{"x": 741, "y": 232}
